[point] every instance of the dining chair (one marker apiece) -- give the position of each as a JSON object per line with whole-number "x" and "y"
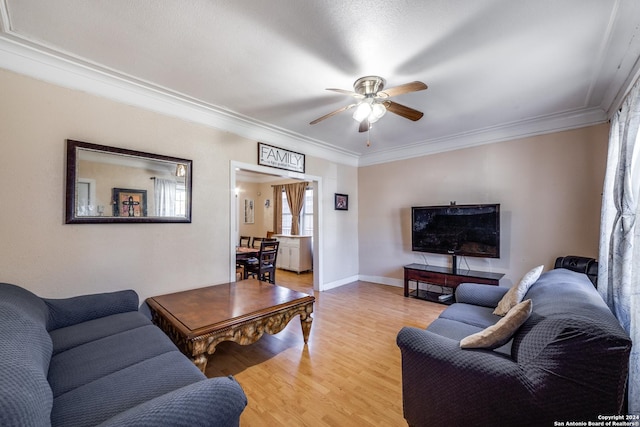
{"x": 264, "y": 265}
{"x": 256, "y": 242}
{"x": 245, "y": 241}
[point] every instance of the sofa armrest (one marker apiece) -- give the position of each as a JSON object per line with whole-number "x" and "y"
{"x": 212, "y": 402}
{"x": 443, "y": 384}
{"x": 70, "y": 311}
{"x": 483, "y": 295}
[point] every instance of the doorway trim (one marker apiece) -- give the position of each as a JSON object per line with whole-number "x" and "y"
{"x": 316, "y": 183}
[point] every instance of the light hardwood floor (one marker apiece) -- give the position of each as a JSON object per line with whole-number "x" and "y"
{"x": 348, "y": 374}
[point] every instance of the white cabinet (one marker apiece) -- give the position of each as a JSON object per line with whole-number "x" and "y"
{"x": 294, "y": 253}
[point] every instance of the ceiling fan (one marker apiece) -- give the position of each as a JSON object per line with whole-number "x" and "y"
{"x": 374, "y": 101}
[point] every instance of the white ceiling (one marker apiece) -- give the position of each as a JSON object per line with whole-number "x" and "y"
{"x": 496, "y": 69}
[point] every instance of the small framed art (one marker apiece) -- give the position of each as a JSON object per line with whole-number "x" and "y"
{"x": 341, "y": 202}
{"x": 129, "y": 203}
{"x": 249, "y": 211}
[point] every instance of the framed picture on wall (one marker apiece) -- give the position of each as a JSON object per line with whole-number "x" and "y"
{"x": 249, "y": 211}
{"x": 341, "y": 202}
{"x": 129, "y": 203}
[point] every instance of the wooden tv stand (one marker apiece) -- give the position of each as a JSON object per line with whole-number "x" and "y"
{"x": 443, "y": 277}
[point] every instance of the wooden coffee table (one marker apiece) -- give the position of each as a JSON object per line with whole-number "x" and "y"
{"x": 197, "y": 320}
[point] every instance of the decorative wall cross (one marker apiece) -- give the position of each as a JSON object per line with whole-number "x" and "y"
{"x": 130, "y": 204}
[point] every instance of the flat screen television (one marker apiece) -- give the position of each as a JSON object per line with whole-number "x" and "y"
{"x": 467, "y": 230}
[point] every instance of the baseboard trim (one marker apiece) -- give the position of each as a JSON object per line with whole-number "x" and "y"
{"x": 338, "y": 283}
{"x": 380, "y": 280}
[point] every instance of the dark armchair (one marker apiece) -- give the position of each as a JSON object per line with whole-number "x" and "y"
{"x": 588, "y": 266}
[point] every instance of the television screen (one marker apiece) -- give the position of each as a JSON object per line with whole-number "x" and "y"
{"x": 468, "y": 230}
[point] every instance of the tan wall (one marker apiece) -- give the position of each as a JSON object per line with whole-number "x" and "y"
{"x": 549, "y": 188}
{"x": 251, "y": 191}
{"x": 54, "y": 259}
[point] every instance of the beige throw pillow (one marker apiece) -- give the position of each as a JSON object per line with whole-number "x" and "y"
{"x": 496, "y": 335}
{"x": 517, "y": 293}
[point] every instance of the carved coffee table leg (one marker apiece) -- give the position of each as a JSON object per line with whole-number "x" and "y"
{"x": 201, "y": 362}
{"x": 305, "y": 321}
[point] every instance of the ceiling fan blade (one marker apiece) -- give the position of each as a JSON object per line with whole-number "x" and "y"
{"x": 346, "y": 92}
{"x": 405, "y": 88}
{"x": 403, "y": 110}
{"x": 333, "y": 113}
{"x": 364, "y": 126}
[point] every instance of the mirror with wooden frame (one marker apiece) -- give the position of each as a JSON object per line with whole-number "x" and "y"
{"x": 116, "y": 185}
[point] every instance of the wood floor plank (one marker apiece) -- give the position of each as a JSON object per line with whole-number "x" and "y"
{"x": 349, "y": 372}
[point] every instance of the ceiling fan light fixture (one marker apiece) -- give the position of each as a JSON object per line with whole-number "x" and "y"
{"x": 374, "y": 101}
{"x": 377, "y": 111}
{"x": 363, "y": 110}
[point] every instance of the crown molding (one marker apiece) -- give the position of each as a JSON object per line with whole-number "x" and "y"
{"x": 504, "y": 132}
{"x": 23, "y": 57}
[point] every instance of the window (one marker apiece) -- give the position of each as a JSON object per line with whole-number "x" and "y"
{"x": 181, "y": 195}
{"x": 306, "y": 215}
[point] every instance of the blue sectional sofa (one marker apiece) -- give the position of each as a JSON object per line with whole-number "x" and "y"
{"x": 567, "y": 362}
{"x": 97, "y": 360}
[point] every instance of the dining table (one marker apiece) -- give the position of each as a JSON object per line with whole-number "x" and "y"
{"x": 243, "y": 252}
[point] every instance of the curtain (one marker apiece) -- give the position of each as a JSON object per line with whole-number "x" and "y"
{"x": 619, "y": 258}
{"x": 295, "y": 198}
{"x": 164, "y": 192}
{"x": 277, "y": 208}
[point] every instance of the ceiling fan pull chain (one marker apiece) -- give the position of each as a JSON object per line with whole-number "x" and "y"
{"x": 369, "y": 137}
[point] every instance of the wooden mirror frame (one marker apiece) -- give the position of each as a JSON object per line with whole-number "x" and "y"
{"x": 71, "y": 216}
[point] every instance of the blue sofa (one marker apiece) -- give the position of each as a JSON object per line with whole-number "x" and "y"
{"x": 97, "y": 360}
{"x": 567, "y": 362}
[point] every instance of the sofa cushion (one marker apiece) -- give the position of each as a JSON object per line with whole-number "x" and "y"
{"x": 561, "y": 290}
{"x": 82, "y": 333}
{"x": 452, "y": 329}
{"x": 109, "y": 395}
{"x": 456, "y": 331}
{"x": 475, "y": 315}
{"x": 516, "y": 294}
{"x": 496, "y": 335}
{"x": 90, "y": 361}
{"x": 477, "y": 294}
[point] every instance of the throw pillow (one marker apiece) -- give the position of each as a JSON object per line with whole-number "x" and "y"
{"x": 496, "y": 335}
{"x": 516, "y": 293}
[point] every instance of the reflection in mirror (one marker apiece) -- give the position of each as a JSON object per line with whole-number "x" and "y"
{"x": 108, "y": 184}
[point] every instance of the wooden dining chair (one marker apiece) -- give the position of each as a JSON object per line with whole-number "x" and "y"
{"x": 263, "y": 267}
{"x": 245, "y": 241}
{"x": 256, "y": 242}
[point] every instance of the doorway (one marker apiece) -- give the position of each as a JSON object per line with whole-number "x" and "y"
{"x": 240, "y": 171}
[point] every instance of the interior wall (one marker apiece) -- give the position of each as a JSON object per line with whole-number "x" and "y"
{"x": 53, "y": 259}
{"x": 251, "y": 191}
{"x": 549, "y": 188}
